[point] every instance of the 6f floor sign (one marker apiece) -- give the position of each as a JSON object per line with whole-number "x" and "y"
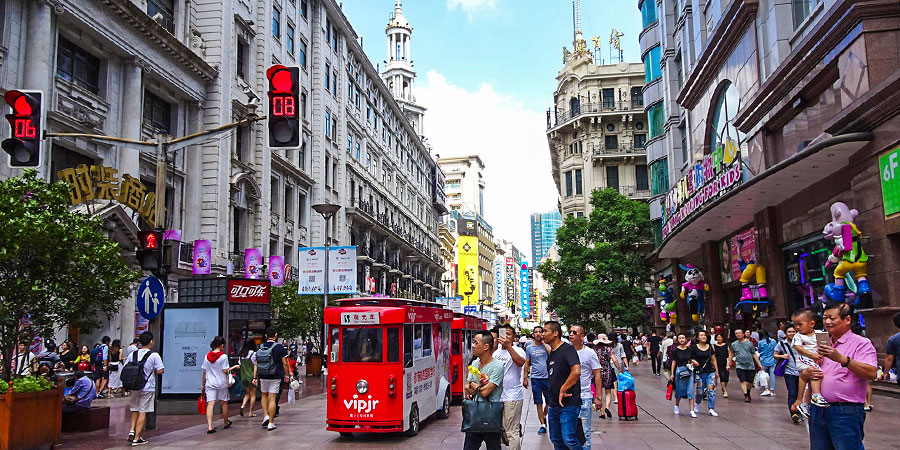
{"x": 889, "y": 169}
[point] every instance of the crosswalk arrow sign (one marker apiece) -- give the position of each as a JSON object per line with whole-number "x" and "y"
{"x": 150, "y": 298}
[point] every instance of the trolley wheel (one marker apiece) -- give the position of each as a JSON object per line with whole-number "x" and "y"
{"x": 444, "y": 412}
{"x": 413, "y": 421}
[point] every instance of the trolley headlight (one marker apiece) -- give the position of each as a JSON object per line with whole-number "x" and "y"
{"x": 362, "y": 386}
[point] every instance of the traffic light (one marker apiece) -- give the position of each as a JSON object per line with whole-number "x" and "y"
{"x": 284, "y": 106}
{"x": 150, "y": 253}
{"x": 26, "y": 128}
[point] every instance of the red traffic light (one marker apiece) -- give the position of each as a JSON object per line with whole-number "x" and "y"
{"x": 284, "y": 106}
{"x": 151, "y": 241}
{"x": 19, "y": 103}
{"x": 25, "y": 120}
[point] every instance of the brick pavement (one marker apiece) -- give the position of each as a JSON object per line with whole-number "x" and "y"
{"x": 763, "y": 424}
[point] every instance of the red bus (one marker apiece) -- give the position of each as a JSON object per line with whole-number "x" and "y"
{"x": 388, "y": 365}
{"x": 463, "y": 330}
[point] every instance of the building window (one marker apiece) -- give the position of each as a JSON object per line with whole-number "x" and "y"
{"x": 612, "y": 177}
{"x": 640, "y": 140}
{"x": 289, "y": 39}
{"x": 569, "y": 183}
{"x": 682, "y": 132}
{"x": 157, "y": 112}
{"x": 640, "y": 176}
{"x": 657, "y": 120}
{"x": 609, "y": 98}
{"x": 327, "y": 171}
{"x": 579, "y": 214}
{"x": 334, "y": 78}
{"x": 802, "y": 10}
{"x": 276, "y": 22}
{"x": 611, "y": 141}
{"x": 349, "y": 143}
{"x": 303, "y": 103}
{"x": 304, "y": 7}
{"x": 75, "y": 65}
{"x": 356, "y": 155}
{"x": 327, "y": 124}
{"x": 302, "y": 57}
{"x": 240, "y": 67}
{"x": 163, "y": 12}
{"x": 652, "y": 69}
{"x": 659, "y": 172}
{"x": 301, "y": 154}
{"x": 241, "y": 142}
{"x": 637, "y": 97}
{"x": 288, "y": 202}
{"x": 578, "y": 183}
{"x": 327, "y": 77}
{"x": 648, "y": 13}
{"x": 334, "y": 124}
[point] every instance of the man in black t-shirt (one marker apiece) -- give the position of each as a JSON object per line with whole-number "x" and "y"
{"x": 564, "y": 368}
{"x": 655, "y": 356}
{"x": 270, "y": 385}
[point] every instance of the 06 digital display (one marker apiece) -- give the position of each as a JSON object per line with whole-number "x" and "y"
{"x": 25, "y": 129}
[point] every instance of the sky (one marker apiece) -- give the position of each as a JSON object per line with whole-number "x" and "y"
{"x": 486, "y": 72}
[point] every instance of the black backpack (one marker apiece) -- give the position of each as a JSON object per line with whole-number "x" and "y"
{"x": 97, "y": 358}
{"x": 265, "y": 361}
{"x": 133, "y": 376}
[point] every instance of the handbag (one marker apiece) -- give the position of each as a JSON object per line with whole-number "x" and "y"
{"x": 685, "y": 373}
{"x": 482, "y": 417}
{"x": 669, "y": 388}
{"x": 230, "y": 379}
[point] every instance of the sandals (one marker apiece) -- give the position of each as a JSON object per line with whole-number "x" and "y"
{"x": 227, "y": 425}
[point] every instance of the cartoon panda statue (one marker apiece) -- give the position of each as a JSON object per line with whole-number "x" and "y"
{"x": 694, "y": 290}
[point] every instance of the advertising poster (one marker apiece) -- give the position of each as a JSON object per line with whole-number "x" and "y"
{"x": 252, "y": 263}
{"x": 342, "y": 270}
{"x": 202, "y": 257}
{"x": 187, "y": 333}
{"x": 498, "y": 286}
{"x": 743, "y": 250}
{"x": 725, "y": 271}
{"x": 276, "y": 270}
{"x": 467, "y": 251}
{"x": 523, "y": 290}
{"x": 311, "y": 271}
{"x": 140, "y": 324}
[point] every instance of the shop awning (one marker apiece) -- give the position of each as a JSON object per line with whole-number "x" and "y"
{"x": 777, "y": 184}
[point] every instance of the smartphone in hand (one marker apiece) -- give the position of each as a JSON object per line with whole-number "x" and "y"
{"x": 823, "y": 338}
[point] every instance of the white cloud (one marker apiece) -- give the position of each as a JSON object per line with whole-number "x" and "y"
{"x": 511, "y": 142}
{"x": 471, "y": 7}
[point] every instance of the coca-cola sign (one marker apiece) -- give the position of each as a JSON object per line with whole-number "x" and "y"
{"x": 248, "y": 291}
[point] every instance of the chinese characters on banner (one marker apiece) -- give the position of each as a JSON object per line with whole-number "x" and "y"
{"x": 523, "y": 290}
{"x": 276, "y": 270}
{"x": 252, "y": 263}
{"x": 202, "y": 257}
{"x": 91, "y": 183}
{"x": 342, "y": 270}
{"x": 311, "y": 269}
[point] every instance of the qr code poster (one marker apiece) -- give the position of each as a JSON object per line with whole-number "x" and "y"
{"x": 190, "y": 359}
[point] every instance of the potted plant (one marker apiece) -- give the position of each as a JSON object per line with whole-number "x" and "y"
{"x": 59, "y": 269}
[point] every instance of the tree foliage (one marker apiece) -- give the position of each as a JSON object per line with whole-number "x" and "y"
{"x": 601, "y": 276}
{"x": 57, "y": 267}
{"x": 299, "y": 315}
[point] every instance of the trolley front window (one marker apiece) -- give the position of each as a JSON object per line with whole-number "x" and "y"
{"x": 362, "y": 345}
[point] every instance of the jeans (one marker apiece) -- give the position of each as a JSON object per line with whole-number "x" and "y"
{"x": 684, "y": 386}
{"x": 836, "y": 427}
{"x": 585, "y": 416}
{"x": 562, "y": 423}
{"x": 706, "y": 384}
{"x": 473, "y": 441}
{"x": 792, "y": 382}
{"x": 771, "y": 372}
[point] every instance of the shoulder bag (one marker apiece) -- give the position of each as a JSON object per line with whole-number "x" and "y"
{"x": 481, "y": 415}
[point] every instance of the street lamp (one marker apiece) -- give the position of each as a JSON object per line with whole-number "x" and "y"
{"x": 327, "y": 210}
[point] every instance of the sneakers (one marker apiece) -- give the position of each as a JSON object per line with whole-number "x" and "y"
{"x": 693, "y": 415}
{"x": 766, "y": 393}
{"x": 271, "y": 427}
{"x": 724, "y": 394}
{"x": 804, "y": 410}
{"x": 696, "y": 408}
{"x": 795, "y": 418}
{"x": 713, "y": 413}
{"x": 139, "y": 441}
{"x": 265, "y": 422}
{"x": 542, "y": 430}
{"x": 771, "y": 393}
{"x": 819, "y": 401}
{"x": 676, "y": 411}
{"x": 130, "y": 436}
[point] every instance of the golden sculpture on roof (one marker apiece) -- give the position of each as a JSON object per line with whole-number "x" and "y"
{"x": 614, "y": 39}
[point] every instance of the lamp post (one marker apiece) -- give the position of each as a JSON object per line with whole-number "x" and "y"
{"x": 327, "y": 210}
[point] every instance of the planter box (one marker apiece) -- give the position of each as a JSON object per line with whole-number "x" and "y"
{"x": 30, "y": 419}
{"x": 314, "y": 365}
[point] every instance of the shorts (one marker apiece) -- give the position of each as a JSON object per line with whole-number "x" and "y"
{"x": 101, "y": 374}
{"x": 746, "y": 375}
{"x": 540, "y": 387}
{"x": 270, "y": 386}
{"x": 141, "y": 401}
{"x": 213, "y": 395}
{"x": 806, "y": 363}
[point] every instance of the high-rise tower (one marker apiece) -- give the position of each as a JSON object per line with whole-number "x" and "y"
{"x": 398, "y": 71}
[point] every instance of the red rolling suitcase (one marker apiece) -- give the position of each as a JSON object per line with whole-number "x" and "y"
{"x": 627, "y": 405}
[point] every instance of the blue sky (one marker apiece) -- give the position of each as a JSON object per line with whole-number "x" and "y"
{"x": 486, "y": 73}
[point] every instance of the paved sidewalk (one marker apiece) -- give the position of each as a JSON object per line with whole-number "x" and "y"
{"x": 762, "y": 424}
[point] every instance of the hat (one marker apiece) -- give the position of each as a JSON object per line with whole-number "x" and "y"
{"x": 602, "y": 339}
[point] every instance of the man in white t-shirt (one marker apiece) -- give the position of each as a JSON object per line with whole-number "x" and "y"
{"x": 513, "y": 358}
{"x": 590, "y": 367}
{"x": 142, "y": 401}
{"x": 664, "y": 350}
{"x": 24, "y": 360}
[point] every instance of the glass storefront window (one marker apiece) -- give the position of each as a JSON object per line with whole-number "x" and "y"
{"x": 805, "y": 272}
{"x": 652, "y": 69}
{"x": 657, "y": 119}
{"x": 659, "y": 174}
{"x": 648, "y": 13}
{"x": 727, "y": 106}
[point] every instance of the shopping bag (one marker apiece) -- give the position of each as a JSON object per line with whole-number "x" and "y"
{"x": 761, "y": 381}
{"x": 291, "y": 396}
{"x": 201, "y": 405}
{"x": 669, "y": 388}
{"x": 626, "y": 381}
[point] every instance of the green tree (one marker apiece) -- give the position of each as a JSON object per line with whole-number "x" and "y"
{"x": 601, "y": 276}
{"x": 57, "y": 267}
{"x": 299, "y": 315}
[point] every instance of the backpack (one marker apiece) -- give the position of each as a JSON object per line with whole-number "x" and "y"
{"x": 265, "y": 362}
{"x": 133, "y": 376}
{"x": 97, "y": 358}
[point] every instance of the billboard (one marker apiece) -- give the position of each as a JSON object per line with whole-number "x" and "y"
{"x": 736, "y": 252}
{"x": 311, "y": 269}
{"x": 342, "y": 270}
{"x": 186, "y": 336}
{"x": 510, "y": 282}
{"x": 498, "y": 286}
{"x": 524, "y": 288}
{"x": 467, "y": 259}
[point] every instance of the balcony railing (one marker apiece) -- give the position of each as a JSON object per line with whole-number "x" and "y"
{"x": 595, "y": 108}
{"x": 634, "y": 191}
{"x": 622, "y": 148}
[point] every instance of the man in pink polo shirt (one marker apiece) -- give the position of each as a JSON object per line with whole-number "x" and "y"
{"x": 848, "y": 366}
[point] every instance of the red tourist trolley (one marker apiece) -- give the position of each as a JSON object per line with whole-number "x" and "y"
{"x": 388, "y": 365}
{"x": 463, "y": 330}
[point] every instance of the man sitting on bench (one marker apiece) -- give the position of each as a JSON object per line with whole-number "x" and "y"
{"x": 80, "y": 397}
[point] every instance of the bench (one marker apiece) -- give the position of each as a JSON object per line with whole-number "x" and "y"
{"x": 95, "y": 418}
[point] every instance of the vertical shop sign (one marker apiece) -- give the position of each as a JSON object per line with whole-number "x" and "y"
{"x": 889, "y": 168}
{"x": 311, "y": 269}
{"x": 252, "y": 263}
{"x": 202, "y": 257}
{"x": 276, "y": 270}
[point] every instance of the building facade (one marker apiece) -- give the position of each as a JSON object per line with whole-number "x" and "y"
{"x": 597, "y": 130}
{"x": 543, "y": 234}
{"x": 772, "y": 112}
{"x": 464, "y": 184}
{"x": 139, "y": 69}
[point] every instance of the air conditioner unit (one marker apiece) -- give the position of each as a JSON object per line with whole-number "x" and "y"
{"x": 158, "y": 18}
